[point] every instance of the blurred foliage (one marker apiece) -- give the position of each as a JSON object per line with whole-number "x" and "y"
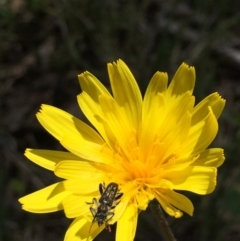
{"x": 45, "y": 44}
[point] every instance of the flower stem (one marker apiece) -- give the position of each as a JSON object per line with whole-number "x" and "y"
{"x": 163, "y": 224}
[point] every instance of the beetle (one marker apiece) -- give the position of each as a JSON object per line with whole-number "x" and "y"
{"x": 106, "y": 202}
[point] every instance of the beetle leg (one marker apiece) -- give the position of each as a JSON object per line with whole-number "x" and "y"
{"x": 93, "y": 221}
{"x": 118, "y": 196}
{"x": 93, "y": 211}
{"x": 116, "y": 201}
{"x": 107, "y": 226}
{"x": 109, "y": 213}
{"x": 113, "y": 206}
{"x": 94, "y": 201}
{"x": 102, "y": 188}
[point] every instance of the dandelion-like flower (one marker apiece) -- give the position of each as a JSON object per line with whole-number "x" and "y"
{"x": 151, "y": 147}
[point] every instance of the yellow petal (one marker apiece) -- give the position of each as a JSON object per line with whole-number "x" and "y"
{"x": 171, "y": 139}
{"x": 77, "y": 169}
{"x": 175, "y": 200}
{"x": 83, "y": 185}
{"x": 79, "y": 230}
{"x": 126, "y": 91}
{"x": 46, "y": 200}
{"x": 201, "y": 109}
{"x": 213, "y": 157}
{"x": 93, "y": 111}
{"x": 118, "y": 211}
{"x": 183, "y": 81}
{"x": 116, "y": 121}
{"x": 127, "y": 224}
{"x": 157, "y": 85}
{"x": 169, "y": 209}
{"x": 154, "y": 117}
{"x": 88, "y": 150}
{"x": 92, "y": 86}
{"x": 42, "y": 208}
{"x": 49, "y": 159}
{"x": 176, "y": 108}
{"x": 200, "y": 135}
{"x": 197, "y": 179}
{"x": 178, "y": 164}
{"x": 60, "y": 123}
{"x": 76, "y": 205}
{"x": 179, "y": 107}
{"x": 176, "y": 136}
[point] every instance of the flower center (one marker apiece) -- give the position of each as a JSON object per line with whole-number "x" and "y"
{"x": 135, "y": 175}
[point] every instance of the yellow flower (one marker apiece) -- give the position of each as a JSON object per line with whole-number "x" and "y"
{"x": 151, "y": 147}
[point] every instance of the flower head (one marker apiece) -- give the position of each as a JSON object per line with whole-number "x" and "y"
{"x": 150, "y": 147}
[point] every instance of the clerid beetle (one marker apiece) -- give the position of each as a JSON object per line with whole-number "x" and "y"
{"x": 108, "y": 200}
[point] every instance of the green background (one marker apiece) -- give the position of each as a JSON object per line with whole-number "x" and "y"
{"x": 45, "y": 44}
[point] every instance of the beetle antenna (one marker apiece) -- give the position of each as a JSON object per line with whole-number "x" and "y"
{"x": 109, "y": 228}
